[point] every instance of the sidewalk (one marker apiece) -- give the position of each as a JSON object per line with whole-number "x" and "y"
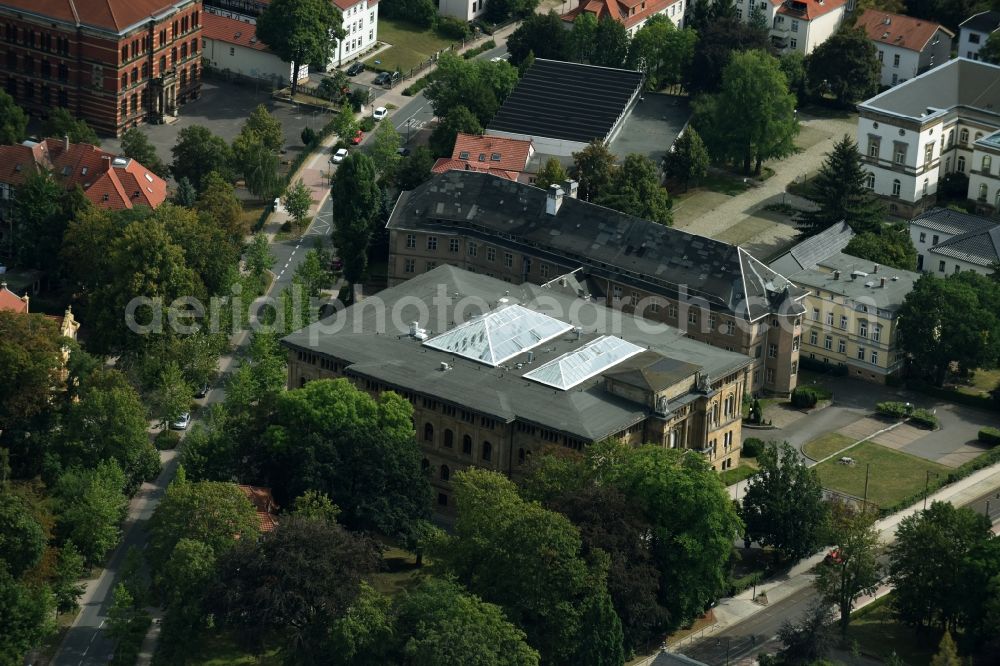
{"x": 736, "y": 609}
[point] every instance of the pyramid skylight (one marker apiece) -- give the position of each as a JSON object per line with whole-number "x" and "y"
{"x": 581, "y": 364}
{"x": 499, "y": 335}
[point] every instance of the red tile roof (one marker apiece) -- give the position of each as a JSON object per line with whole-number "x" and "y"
{"x": 12, "y": 302}
{"x": 231, "y": 31}
{"x": 899, "y": 30}
{"x": 492, "y": 152}
{"x": 808, "y": 10}
{"x": 114, "y": 15}
{"x": 445, "y": 164}
{"x": 108, "y": 181}
{"x": 620, "y": 10}
{"x": 263, "y": 502}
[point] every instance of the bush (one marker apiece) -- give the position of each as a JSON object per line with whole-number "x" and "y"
{"x": 752, "y": 447}
{"x": 951, "y": 395}
{"x": 805, "y": 397}
{"x": 482, "y": 48}
{"x": 308, "y": 136}
{"x": 286, "y": 226}
{"x": 452, "y": 28}
{"x": 167, "y": 439}
{"x": 892, "y": 410}
{"x": 837, "y": 370}
{"x": 417, "y": 86}
{"x": 925, "y": 419}
{"x": 989, "y": 436}
{"x": 367, "y": 124}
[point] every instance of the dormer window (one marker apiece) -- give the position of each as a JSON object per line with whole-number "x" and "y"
{"x": 83, "y": 171}
{"x": 495, "y": 157}
{"x": 105, "y": 197}
{"x": 482, "y": 157}
{"x": 464, "y": 155}
{"x": 65, "y": 171}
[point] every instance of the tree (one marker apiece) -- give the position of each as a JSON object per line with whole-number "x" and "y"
{"x": 347, "y": 124}
{"x": 355, "y": 196}
{"x": 635, "y": 189}
{"x": 479, "y": 85}
{"x": 124, "y": 614}
{"x": 718, "y": 41}
{"x": 752, "y": 119}
{"x": 22, "y": 539}
{"x": 855, "y": 571}
{"x": 947, "y": 654}
{"x": 583, "y": 38}
{"x": 297, "y": 580}
{"x": 41, "y": 222}
{"x": 926, "y": 563}
{"x": 330, "y": 437}
{"x": 385, "y": 151}
{"x": 528, "y": 560}
{"x": 198, "y": 153}
{"x": 185, "y": 581}
{"x": 846, "y": 65}
{"x": 172, "y": 394}
{"x": 688, "y": 160}
{"x": 297, "y": 200}
{"x": 136, "y": 144}
{"x": 841, "y": 192}
{"x": 30, "y": 361}
{"x": 594, "y": 165}
{"x": 257, "y": 163}
{"x": 266, "y": 127}
{"x": 25, "y": 615}
{"x": 540, "y": 34}
{"x": 793, "y": 64}
{"x": 420, "y": 13}
{"x": 610, "y": 43}
{"x": 258, "y": 257}
{"x": 315, "y": 505}
{"x": 783, "y": 506}
{"x": 459, "y": 119}
{"x": 552, "y": 173}
{"x": 61, "y": 123}
{"x": 415, "y": 169}
{"x": 13, "y": 120}
{"x": 218, "y": 201}
{"x": 66, "y": 586}
{"x": 662, "y": 51}
{"x": 890, "y": 246}
{"x": 92, "y": 506}
{"x": 213, "y": 513}
{"x": 438, "y": 622}
{"x": 185, "y": 195}
{"x": 990, "y": 51}
{"x": 300, "y": 31}
{"x": 809, "y": 640}
{"x": 949, "y": 321}
{"x": 365, "y": 635}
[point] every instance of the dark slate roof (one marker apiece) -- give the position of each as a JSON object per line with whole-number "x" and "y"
{"x": 981, "y": 248}
{"x": 651, "y": 371}
{"x": 959, "y": 82}
{"x": 568, "y": 100}
{"x": 950, "y": 221}
{"x": 814, "y": 249}
{"x": 982, "y": 22}
{"x": 606, "y": 243}
{"x": 372, "y": 339}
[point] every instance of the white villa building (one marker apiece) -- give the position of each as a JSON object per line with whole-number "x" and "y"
{"x": 231, "y": 45}
{"x": 905, "y": 46}
{"x": 912, "y": 135}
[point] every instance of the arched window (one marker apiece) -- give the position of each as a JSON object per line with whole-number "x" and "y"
{"x": 445, "y": 473}
{"x": 449, "y": 439}
{"x": 467, "y": 445}
{"x": 425, "y": 464}
{"x": 487, "y": 451}
{"x": 428, "y": 432}
{"x": 983, "y": 191}
{"x": 979, "y": 135}
{"x": 963, "y": 136}
{"x": 124, "y": 80}
{"x": 520, "y": 456}
{"x": 987, "y": 163}
{"x": 961, "y": 164}
{"x": 951, "y": 137}
{"x": 896, "y": 186}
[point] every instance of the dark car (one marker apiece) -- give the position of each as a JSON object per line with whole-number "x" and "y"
{"x": 382, "y": 78}
{"x": 202, "y": 391}
{"x": 404, "y": 151}
{"x": 356, "y": 68}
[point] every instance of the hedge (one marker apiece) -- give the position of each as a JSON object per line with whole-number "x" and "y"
{"x": 482, "y": 48}
{"x": 752, "y": 447}
{"x": 804, "y": 396}
{"x": 417, "y": 86}
{"x": 989, "y": 436}
{"x": 925, "y": 419}
{"x": 991, "y": 457}
{"x": 951, "y": 395}
{"x": 835, "y": 369}
{"x": 743, "y": 583}
{"x": 894, "y": 410}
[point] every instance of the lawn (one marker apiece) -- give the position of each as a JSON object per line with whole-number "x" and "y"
{"x": 983, "y": 381}
{"x": 411, "y": 46}
{"x": 828, "y": 444}
{"x": 744, "y": 471}
{"x": 893, "y": 475}
{"x": 221, "y": 650}
{"x": 401, "y": 572}
{"x": 723, "y": 183}
{"x": 878, "y": 634}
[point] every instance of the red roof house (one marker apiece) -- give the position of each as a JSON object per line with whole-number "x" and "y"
{"x": 497, "y": 155}
{"x": 631, "y": 13}
{"x": 263, "y": 503}
{"x": 12, "y": 302}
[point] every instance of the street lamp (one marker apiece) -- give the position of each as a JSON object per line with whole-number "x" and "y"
{"x": 718, "y": 643}
{"x": 927, "y": 481}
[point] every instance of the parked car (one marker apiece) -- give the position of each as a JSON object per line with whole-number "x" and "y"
{"x": 833, "y": 557}
{"x": 381, "y": 79}
{"x": 339, "y": 156}
{"x": 403, "y": 152}
{"x": 337, "y": 264}
{"x": 356, "y": 68}
{"x": 379, "y": 113}
{"x": 202, "y": 391}
{"x": 357, "y": 138}
{"x": 181, "y": 422}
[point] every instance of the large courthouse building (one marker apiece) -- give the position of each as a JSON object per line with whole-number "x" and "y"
{"x": 496, "y": 371}
{"x": 713, "y": 291}
{"x": 114, "y": 63}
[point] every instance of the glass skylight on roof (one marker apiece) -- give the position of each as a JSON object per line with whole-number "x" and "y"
{"x": 581, "y": 364}
{"x": 499, "y": 335}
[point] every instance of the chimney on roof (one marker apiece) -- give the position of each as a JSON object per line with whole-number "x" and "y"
{"x": 875, "y": 269}
{"x": 571, "y": 187}
{"x": 66, "y": 142}
{"x": 836, "y": 275}
{"x": 887, "y": 20}
{"x": 553, "y": 199}
{"x": 881, "y": 282}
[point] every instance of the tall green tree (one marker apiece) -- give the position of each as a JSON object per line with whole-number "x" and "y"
{"x": 610, "y": 43}
{"x": 136, "y": 144}
{"x": 594, "y": 166}
{"x": 25, "y": 615}
{"x": 301, "y": 31}
{"x": 171, "y": 394}
{"x": 847, "y": 66}
{"x": 198, "y": 153}
{"x": 841, "y": 193}
{"x": 258, "y": 257}
{"x": 30, "y": 362}
{"x": 185, "y": 582}
{"x": 61, "y": 123}
{"x": 635, "y": 189}
{"x": 365, "y": 635}
{"x": 528, "y": 560}
{"x": 356, "y": 197}
{"x": 662, "y": 51}
{"x": 385, "y": 151}
{"x": 347, "y": 124}
{"x": 268, "y": 128}
{"x": 688, "y": 159}
{"x": 540, "y": 34}
{"x": 13, "y": 120}
{"x": 891, "y": 246}
{"x": 297, "y": 200}
{"x": 66, "y": 586}
{"x": 926, "y": 563}
{"x": 218, "y": 201}
{"x": 793, "y": 64}
{"x": 459, "y": 119}
{"x": 855, "y": 571}
{"x": 552, "y": 173}
{"x": 717, "y": 42}
{"x": 22, "y": 539}
{"x": 783, "y": 507}
{"x": 185, "y": 195}
{"x": 415, "y": 169}
{"x": 257, "y": 162}
{"x": 479, "y": 85}
{"x": 947, "y": 654}
{"x": 41, "y": 219}
{"x": 752, "y": 119}
{"x": 92, "y": 504}
{"x": 810, "y": 639}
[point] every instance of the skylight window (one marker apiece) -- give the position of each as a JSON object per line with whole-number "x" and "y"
{"x": 581, "y": 364}
{"x": 464, "y": 155}
{"x": 495, "y": 157}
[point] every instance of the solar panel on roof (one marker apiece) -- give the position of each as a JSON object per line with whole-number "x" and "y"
{"x": 581, "y": 364}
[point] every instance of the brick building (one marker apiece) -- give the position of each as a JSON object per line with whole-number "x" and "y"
{"x": 114, "y": 63}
